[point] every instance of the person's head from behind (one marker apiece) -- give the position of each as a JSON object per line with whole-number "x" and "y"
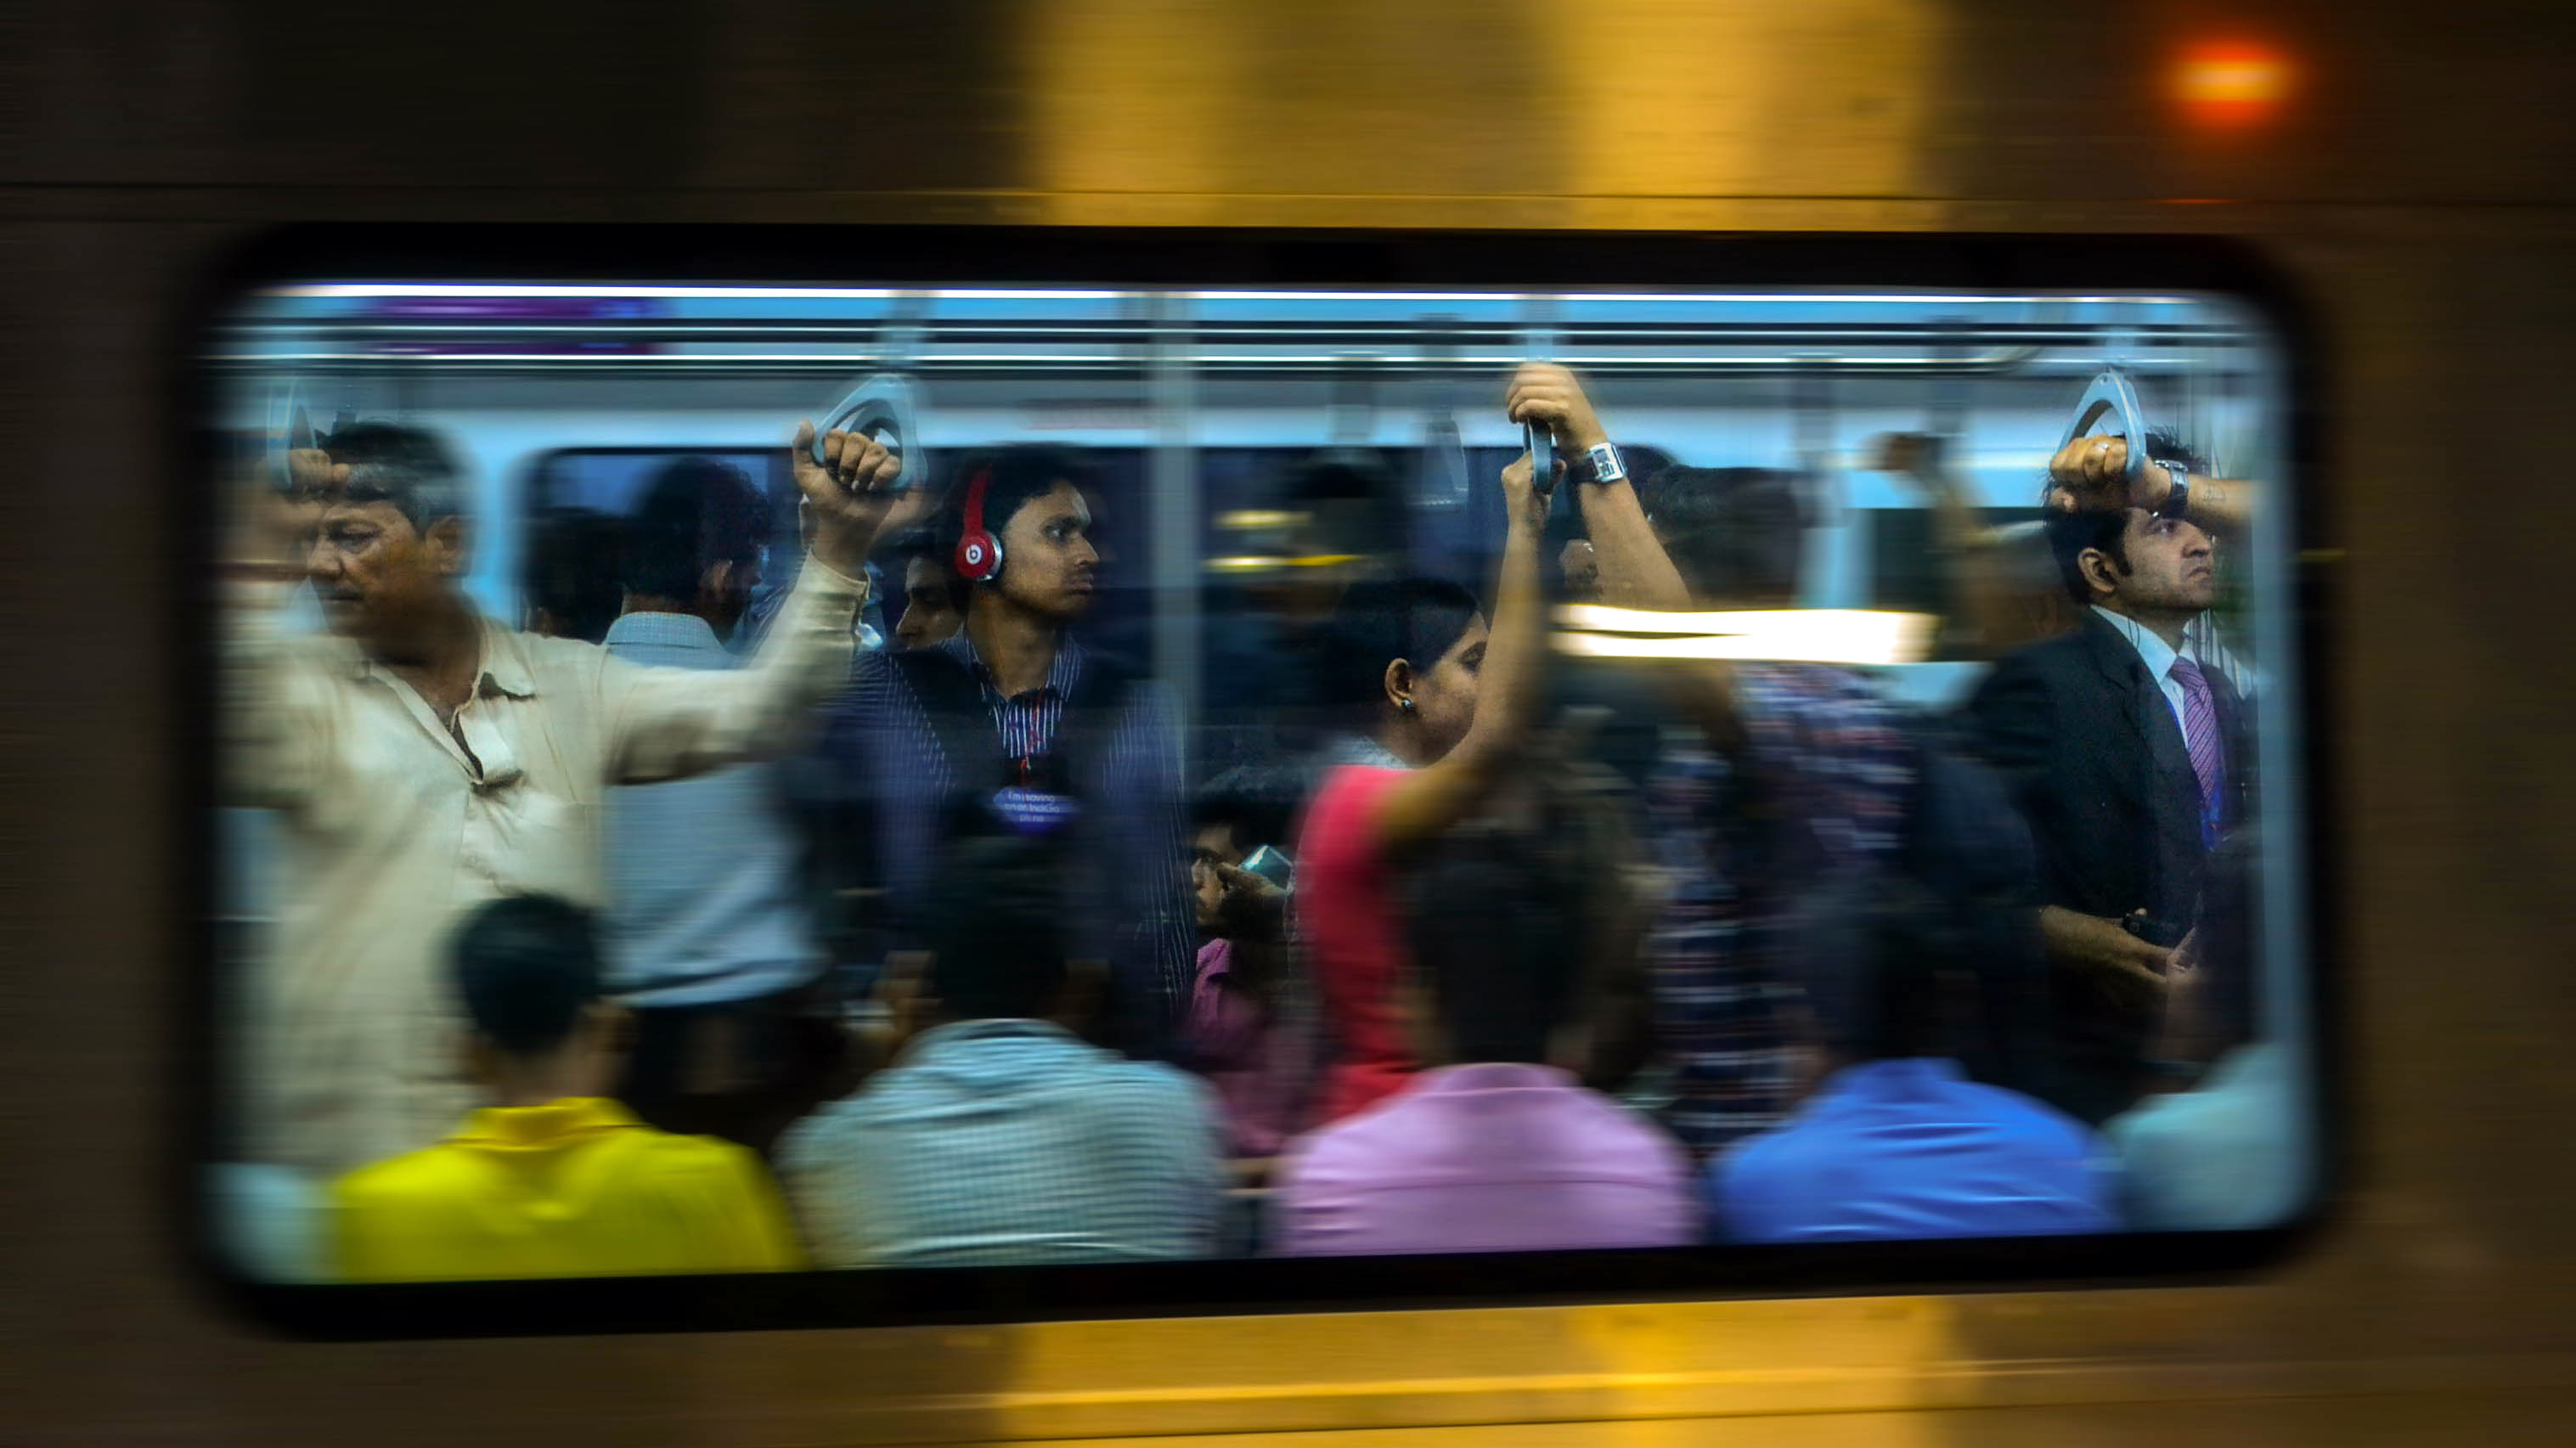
{"x": 527, "y": 968}
{"x": 1903, "y": 984}
{"x": 694, "y": 543}
{"x": 2156, "y": 570}
{"x": 1497, "y": 929}
{"x": 1352, "y": 505}
{"x": 996, "y": 934}
{"x": 934, "y": 597}
{"x": 1029, "y": 499}
{"x": 570, "y": 573}
{"x": 392, "y": 538}
{"x": 1403, "y": 663}
{"x": 1735, "y": 535}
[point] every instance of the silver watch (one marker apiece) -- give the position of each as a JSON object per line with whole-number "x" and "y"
{"x": 1603, "y": 460}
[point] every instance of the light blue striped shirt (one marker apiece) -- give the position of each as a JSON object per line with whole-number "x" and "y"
{"x": 1009, "y": 1143}
{"x": 706, "y": 900}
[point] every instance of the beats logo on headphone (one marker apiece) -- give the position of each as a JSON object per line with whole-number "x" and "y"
{"x": 979, "y": 553}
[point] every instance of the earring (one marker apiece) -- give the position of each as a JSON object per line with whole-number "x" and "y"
{"x": 1405, "y": 704}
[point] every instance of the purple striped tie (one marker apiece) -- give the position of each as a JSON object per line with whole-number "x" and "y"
{"x": 2200, "y": 737}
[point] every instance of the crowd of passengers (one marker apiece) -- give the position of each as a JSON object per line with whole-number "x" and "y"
{"x": 562, "y": 980}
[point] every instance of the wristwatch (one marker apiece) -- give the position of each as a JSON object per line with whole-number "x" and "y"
{"x": 2179, "y": 498}
{"x": 1600, "y": 464}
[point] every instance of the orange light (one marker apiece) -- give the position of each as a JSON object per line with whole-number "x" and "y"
{"x": 2231, "y": 83}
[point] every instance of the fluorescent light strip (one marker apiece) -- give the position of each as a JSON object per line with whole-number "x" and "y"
{"x": 752, "y": 293}
{"x": 1603, "y": 618}
{"x": 1108, "y": 353}
{"x": 544, "y": 290}
{"x": 1821, "y": 635}
{"x": 1866, "y": 297}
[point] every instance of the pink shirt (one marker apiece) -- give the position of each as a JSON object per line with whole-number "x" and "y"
{"x": 1252, "y": 1060}
{"x": 1486, "y": 1158}
{"x": 1354, "y": 936}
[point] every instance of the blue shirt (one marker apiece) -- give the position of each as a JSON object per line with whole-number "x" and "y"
{"x": 1004, "y": 1143}
{"x": 1905, "y": 1149}
{"x": 706, "y": 896}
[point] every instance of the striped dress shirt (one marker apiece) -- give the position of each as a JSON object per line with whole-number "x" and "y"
{"x": 1132, "y": 903}
{"x": 1009, "y": 1143}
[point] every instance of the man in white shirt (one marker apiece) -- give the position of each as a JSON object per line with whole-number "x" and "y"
{"x": 2129, "y": 760}
{"x": 423, "y": 759}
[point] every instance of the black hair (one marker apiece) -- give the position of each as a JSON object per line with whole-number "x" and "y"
{"x": 1495, "y": 927}
{"x": 1907, "y": 972}
{"x": 526, "y": 965}
{"x": 696, "y": 512}
{"x": 1012, "y": 476}
{"x": 1381, "y": 620}
{"x": 926, "y": 540}
{"x": 1353, "y": 499}
{"x": 1645, "y": 464}
{"x": 2070, "y": 534}
{"x": 570, "y": 569}
{"x": 995, "y": 928}
{"x": 1258, "y": 800}
{"x": 1734, "y": 534}
{"x": 408, "y": 467}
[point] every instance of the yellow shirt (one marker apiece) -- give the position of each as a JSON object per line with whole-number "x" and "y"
{"x": 573, "y": 1188}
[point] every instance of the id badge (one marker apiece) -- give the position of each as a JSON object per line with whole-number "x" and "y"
{"x": 1034, "y": 811}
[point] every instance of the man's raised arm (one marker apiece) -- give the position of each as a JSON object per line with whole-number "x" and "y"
{"x": 664, "y": 723}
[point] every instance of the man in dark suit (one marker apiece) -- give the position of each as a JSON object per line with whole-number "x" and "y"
{"x": 2130, "y": 758}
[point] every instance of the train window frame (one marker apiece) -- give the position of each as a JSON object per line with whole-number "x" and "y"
{"x": 1032, "y": 256}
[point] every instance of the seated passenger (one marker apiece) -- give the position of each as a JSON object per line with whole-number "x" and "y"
{"x": 1898, "y": 1143}
{"x": 2229, "y": 1153}
{"x": 553, "y": 1179}
{"x": 711, "y": 939}
{"x": 1436, "y": 709}
{"x": 997, "y": 1136}
{"x": 2130, "y": 759}
{"x": 1494, "y": 1151}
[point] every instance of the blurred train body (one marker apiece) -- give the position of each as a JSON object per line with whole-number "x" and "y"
{"x": 2408, "y": 172}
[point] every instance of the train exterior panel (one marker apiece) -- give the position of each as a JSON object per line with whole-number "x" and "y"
{"x": 2405, "y": 171}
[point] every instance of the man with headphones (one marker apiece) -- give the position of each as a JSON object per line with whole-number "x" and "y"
{"x": 1012, "y": 726}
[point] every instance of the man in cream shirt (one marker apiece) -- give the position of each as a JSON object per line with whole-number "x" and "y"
{"x": 422, "y": 759}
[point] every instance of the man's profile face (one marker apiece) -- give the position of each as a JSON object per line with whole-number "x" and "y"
{"x": 374, "y": 572}
{"x": 1048, "y": 564}
{"x": 1214, "y": 845}
{"x": 2172, "y": 566}
{"x": 930, "y": 613}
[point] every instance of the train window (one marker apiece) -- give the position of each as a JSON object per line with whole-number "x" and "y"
{"x": 1155, "y": 782}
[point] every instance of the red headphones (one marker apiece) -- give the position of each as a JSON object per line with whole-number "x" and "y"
{"x": 979, "y": 554}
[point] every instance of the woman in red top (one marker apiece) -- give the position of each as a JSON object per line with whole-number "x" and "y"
{"x": 1436, "y": 702}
